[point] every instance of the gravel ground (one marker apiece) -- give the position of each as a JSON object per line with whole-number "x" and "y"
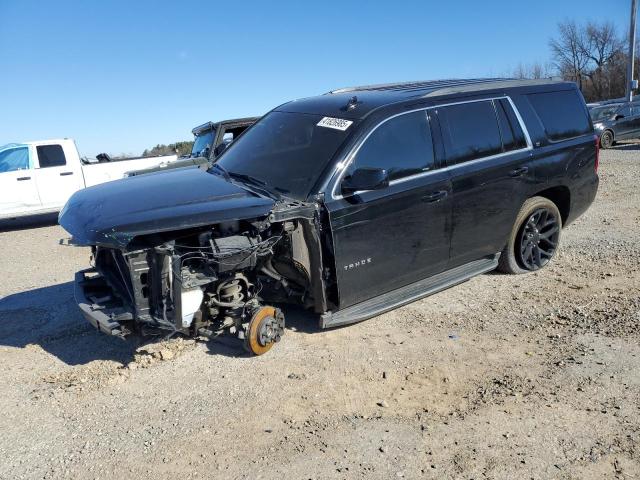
{"x": 534, "y": 376}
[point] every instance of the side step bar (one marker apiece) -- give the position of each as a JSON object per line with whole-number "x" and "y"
{"x": 407, "y": 294}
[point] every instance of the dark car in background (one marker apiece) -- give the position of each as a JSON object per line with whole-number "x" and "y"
{"x": 350, "y": 204}
{"x": 212, "y": 138}
{"x": 615, "y": 121}
{"x": 209, "y": 141}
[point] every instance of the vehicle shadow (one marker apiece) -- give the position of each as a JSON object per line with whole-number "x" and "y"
{"x": 626, "y": 146}
{"x": 36, "y": 221}
{"x": 49, "y": 317}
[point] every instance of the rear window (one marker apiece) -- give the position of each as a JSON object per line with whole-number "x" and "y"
{"x": 562, "y": 114}
{"x": 471, "y": 131}
{"x": 51, "y": 156}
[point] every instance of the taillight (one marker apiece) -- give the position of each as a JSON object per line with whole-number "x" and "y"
{"x": 597, "y": 140}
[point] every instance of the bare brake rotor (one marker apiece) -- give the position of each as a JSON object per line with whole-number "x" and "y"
{"x": 265, "y": 328}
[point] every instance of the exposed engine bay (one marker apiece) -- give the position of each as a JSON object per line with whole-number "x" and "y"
{"x": 208, "y": 281}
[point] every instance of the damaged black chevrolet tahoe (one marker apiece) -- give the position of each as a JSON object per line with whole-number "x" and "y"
{"x": 351, "y": 203}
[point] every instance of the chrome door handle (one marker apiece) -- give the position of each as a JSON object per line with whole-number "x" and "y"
{"x": 64, "y": 174}
{"x": 20, "y": 179}
{"x": 435, "y": 196}
{"x": 518, "y": 172}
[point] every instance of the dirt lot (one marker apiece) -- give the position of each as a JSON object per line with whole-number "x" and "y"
{"x": 534, "y": 376}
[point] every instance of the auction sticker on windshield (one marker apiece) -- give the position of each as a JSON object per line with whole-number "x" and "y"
{"x": 337, "y": 123}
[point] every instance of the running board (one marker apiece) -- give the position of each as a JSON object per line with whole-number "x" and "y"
{"x": 410, "y": 293}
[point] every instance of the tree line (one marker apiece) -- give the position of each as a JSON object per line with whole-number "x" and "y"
{"x": 592, "y": 54}
{"x": 178, "y": 148}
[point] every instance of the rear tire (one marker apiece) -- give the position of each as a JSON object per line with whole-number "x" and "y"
{"x": 606, "y": 139}
{"x": 534, "y": 238}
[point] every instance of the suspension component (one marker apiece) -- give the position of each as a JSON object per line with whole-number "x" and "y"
{"x": 232, "y": 293}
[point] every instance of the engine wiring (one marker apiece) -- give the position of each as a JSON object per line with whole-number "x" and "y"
{"x": 209, "y": 255}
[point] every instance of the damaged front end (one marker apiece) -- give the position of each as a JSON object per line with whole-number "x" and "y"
{"x": 210, "y": 280}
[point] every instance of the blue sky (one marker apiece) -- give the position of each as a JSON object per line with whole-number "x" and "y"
{"x": 120, "y": 76}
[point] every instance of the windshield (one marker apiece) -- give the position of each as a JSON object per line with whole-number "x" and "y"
{"x": 603, "y": 113}
{"x": 287, "y": 152}
{"x": 202, "y": 144}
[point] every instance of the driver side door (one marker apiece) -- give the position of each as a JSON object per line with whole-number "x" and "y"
{"x": 387, "y": 238}
{"x": 18, "y": 191}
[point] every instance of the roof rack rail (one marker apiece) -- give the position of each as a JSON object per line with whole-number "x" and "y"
{"x": 418, "y": 85}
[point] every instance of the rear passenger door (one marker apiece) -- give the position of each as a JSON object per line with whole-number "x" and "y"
{"x": 56, "y": 179}
{"x": 488, "y": 158}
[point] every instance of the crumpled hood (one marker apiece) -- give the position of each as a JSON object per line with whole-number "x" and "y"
{"x": 112, "y": 213}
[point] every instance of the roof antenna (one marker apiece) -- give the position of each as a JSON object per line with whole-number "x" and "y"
{"x": 352, "y": 103}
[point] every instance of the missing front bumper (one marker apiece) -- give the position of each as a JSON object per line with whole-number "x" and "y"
{"x": 100, "y": 306}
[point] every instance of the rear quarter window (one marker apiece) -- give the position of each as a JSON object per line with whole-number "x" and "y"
{"x": 562, "y": 114}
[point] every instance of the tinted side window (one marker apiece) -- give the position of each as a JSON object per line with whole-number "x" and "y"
{"x": 51, "y": 156}
{"x": 402, "y": 146}
{"x": 512, "y": 134}
{"x": 472, "y": 131}
{"x": 562, "y": 114}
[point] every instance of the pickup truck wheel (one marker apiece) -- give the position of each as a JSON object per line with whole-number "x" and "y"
{"x": 265, "y": 328}
{"x": 534, "y": 238}
{"x": 606, "y": 139}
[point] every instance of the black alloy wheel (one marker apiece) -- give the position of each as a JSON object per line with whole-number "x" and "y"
{"x": 538, "y": 239}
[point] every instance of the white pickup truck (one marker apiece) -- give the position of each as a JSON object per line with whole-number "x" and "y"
{"x": 39, "y": 177}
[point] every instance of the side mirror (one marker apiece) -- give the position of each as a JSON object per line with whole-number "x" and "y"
{"x": 365, "y": 179}
{"x": 618, "y": 116}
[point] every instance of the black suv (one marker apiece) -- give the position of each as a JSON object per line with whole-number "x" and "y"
{"x": 615, "y": 121}
{"x": 350, "y": 203}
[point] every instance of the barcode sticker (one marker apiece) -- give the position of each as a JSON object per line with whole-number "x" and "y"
{"x": 336, "y": 123}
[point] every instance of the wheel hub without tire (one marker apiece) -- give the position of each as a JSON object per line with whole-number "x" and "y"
{"x": 265, "y": 328}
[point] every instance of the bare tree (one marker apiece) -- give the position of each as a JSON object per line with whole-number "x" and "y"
{"x": 533, "y": 70}
{"x": 568, "y": 51}
{"x": 593, "y": 56}
{"x": 601, "y": 45}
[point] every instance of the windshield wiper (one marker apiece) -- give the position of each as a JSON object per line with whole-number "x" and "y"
{"x": 247, "y": 178}
{"x": 256, "y": 182}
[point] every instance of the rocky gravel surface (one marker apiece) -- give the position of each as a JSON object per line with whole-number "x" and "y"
{"x": 534, "y": 376}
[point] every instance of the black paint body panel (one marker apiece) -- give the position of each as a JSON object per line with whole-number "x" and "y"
{"x": 113, "y": 213}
